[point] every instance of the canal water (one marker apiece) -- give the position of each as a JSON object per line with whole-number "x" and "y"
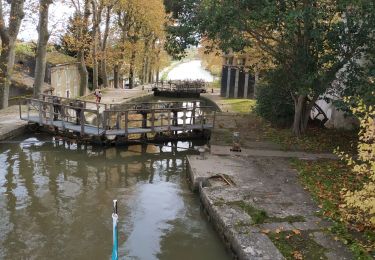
{"x": 191, "y": 70}
{"x": 56, "y": 202}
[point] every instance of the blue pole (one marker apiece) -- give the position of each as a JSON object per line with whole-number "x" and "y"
{"x": 114, "y": 222}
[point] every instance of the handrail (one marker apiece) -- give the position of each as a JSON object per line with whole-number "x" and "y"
{"x": 158, "y": 109}
{"x": 59, "y": 104}
{"x": 70, "y": 99}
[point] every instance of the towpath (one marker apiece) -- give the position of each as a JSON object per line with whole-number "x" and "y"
{"x": 254, "y": 197}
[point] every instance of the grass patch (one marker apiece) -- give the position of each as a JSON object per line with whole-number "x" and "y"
{"x": 259, "y": 216}
{"x": 242, "y": 106}
{"x": 216, "y": 84}
{"x": 253, "y": 127}
{"x": 324, "y": 179}
{"x": 297, "y": 246}
{"x": 315, "y": 140}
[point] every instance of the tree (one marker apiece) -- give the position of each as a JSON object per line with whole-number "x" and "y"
{"x": 182, "y": 26}
{"x": 78, "y": 41}
{"x": 8, "y": 34}
{"x": 97, "y": 10}
{"x": 140, "y": 29}
{"x": 311, "y": 41}
{"x": 43, "y": 36}
{"x": 103, "y": 60}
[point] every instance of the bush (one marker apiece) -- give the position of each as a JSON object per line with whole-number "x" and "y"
{"x": 359, "y": 204}
{"x": 274, "y": 104}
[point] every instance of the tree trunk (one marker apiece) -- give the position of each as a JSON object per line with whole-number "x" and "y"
{"x": 4, "y": 75}
{"x": 116, "y": 76}
{"x": 150, "y": 76}
{"x": 82, "y": 69}
{"x": 8, "y": 39}
{"x": 143, "y": 73}
{"x": 83, "y": 73}
{"x": 95, "y": 74}
{"x": 302, "y": 111}
{"x": 41, "y": 52}
{"x": 157, "y": 74}
{"x": 103, "y": 71}
{"x": 132, "y": 67}
{"x": 256, "y": 81}
{"x": 96, "y": 19}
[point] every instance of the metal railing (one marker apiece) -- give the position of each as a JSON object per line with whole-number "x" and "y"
{"x": 150, "y": 118}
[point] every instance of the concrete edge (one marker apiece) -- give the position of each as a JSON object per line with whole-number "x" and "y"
{"x": 232, "y": 239}
{"x": 16, "y": 131}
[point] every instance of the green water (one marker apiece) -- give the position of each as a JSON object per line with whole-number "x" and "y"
{"x": 56, "y": 202}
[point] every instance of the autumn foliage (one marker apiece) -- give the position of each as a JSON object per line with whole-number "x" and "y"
{"x": 359, "y": 204}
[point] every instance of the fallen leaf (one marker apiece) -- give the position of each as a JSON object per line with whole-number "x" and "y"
{"x": 297, "y": 255}
{"x": 265, "y": 231}
{"x": 296, "y": 231}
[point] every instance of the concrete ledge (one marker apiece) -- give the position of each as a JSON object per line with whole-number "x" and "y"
{"x": 249, "y": 199}
{"x": 234, "y": 227}
{"x": 225, "y": 150}
{"x": 13, "y": 132}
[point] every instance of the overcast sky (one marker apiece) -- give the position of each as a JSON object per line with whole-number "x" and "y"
{"x": 58, "y": 17}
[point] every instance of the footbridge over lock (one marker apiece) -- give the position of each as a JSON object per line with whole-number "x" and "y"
{"x": 88, "y": 121}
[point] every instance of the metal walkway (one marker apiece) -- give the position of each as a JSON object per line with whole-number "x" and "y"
{"x": 134, "y": 122}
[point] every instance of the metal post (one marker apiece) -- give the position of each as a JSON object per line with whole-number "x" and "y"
{"x": 114, "y": 231}
{"x": 28, "y": 110}
{"x": 98, "y": 120}
{"x": 184, "y": 119}
{"x": 126, "y": 123}
{"x": 153, "y": 120}
{"x": 213, "y": 123}
{"x": 118, "y": 120}
{"x": 19, "y": 107}
{"x": 202, "y": 120}
{"x": 169, "y": 119}
{"x": 63, "y": 117}
{"x": 105, "y": 121}
{"x": 82, "y": 119}
{"x": 193, "y": 112}
{"x": 40, "y": 113}
{"x": 51, "y": 114}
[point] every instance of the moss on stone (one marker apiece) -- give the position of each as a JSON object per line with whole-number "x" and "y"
{"x": 260, "y": 216}
{"x": 297, "y": 246}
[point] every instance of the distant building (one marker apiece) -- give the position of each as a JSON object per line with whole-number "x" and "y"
{"x": 236, "y": 80}
{"x": 62, "y": 75}
{"x": 64, "y": 79}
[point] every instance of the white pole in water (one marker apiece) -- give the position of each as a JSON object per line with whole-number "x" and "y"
{"x": 114, "y": 222}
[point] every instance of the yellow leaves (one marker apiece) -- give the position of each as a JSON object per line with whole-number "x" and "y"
{"x": 360, "y": 204}
{"x": 297, "y": 255}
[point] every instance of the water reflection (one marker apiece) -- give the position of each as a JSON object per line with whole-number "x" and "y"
{"x": 55, "y": 202}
